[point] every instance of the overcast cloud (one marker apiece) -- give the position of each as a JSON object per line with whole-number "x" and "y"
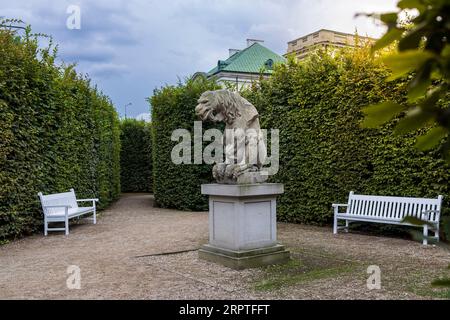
{"x": 130, "y": 47}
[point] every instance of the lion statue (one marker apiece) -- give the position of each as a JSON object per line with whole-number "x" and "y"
{"x": 245, "y": 150}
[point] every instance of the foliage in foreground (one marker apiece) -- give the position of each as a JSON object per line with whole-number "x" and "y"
{"x": 56, "y": 132}
{"x": 135, "y": 156}
{"x": 423, "y": 60}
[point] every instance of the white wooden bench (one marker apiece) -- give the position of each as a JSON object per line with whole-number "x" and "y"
{"x": 390, "y": 210}
{"x": 60, "y": 207}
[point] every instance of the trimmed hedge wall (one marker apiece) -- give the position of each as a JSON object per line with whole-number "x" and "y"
{"x": 135, "y": 156}
{"x": 177, "y": 186}
{"x": 324, "y": 153}
{"x": 56, "y": 132}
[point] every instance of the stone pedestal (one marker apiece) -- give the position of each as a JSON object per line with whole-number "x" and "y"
{"x": 242, "y": 225}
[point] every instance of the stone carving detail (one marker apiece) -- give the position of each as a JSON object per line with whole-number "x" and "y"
{"x": 245, "y": 150}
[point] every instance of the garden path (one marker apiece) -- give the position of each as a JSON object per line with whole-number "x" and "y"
{"x": 119, "y": 258}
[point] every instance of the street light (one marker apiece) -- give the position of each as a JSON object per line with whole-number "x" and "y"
{"x": 129, "y": 104}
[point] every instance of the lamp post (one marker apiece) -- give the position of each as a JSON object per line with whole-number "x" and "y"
{"x": 128, "y": 104}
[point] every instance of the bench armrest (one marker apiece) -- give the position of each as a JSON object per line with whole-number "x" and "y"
{"x": 86, "y": 200}
{"x": 337, "y": 205}
{"x": 60, "y": 206}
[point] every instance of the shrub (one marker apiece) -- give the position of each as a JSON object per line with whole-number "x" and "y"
{"x": 324, "y": 153}
{"x": 177, "y": 186}
{"x": 56, "y": 132}
{"x": 135, "y": 156}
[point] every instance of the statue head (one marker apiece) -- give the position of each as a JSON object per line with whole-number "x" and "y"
{"x": 219, "y": 106}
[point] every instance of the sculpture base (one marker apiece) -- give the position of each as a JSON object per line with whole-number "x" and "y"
{"x": 239, "y": 260}
{"x": 242, "y": 225}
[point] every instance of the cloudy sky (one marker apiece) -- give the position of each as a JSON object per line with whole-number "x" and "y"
{"x": 131, "y": 47}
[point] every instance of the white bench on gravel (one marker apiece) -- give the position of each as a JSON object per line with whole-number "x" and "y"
{"x": 390, "y": 210}
{"x": 60, "y": 207}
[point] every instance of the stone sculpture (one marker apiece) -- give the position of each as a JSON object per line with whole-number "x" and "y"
{"x": 245, "y": 150}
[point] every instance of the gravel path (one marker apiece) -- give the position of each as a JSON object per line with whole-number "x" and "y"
{"x": 118, "y": 259}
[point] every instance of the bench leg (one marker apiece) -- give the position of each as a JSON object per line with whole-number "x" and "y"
{"x": 45, "y": 227}
{"x": 335, "y": 225}
{"x": 67, "y": 226}
{"x": 425, "y": 235}
{"x": 95, "y": 216}
{"x": 346, "y": 225}
{"x": 436, "y": 234}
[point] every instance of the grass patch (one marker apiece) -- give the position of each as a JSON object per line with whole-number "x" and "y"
{"x": 425, "y": 288}
{"x": 302, "y": 268}
{"x": 430, "y": 292}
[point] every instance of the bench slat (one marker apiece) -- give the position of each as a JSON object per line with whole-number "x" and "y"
{"x": 370, "y": 205}
{"x": 401, "y": 210}
{"x": 397, "y": 210}
{"x": 378, "y": 212}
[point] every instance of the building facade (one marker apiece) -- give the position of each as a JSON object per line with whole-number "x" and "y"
{"x": 323, "y": 39}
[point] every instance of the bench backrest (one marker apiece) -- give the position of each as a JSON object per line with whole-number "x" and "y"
{"x": 394, "y": 208}
{"x": 56, "y": 199}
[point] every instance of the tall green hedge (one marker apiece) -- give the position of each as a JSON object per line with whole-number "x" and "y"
{"x": 177, "y": 186}
{"x": 57, "y": 132}
{"x": 324, "y": 153}
{"x": 135, "y": 156}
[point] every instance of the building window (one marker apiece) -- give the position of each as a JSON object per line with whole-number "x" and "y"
{"x": 221, "y": 64}
{"x": 269, "y": 64}
{"x": 316, "y": 35}
{"x": 305, "y": 39}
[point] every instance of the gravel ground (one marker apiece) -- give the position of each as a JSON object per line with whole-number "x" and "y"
{"x": 118, "y": 259}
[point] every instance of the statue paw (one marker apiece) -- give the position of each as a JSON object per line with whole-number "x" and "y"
{"x": 219, "y": 171}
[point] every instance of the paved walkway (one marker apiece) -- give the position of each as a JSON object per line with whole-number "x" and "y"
{"x": 119, "y": 258}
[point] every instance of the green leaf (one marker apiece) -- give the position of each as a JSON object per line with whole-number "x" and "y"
{"x": 415, "y": 221}
{"x": 412, "y": 39}
{"x": 411, "y": 4}
{"x": 389, "y": 18}
{"x": 378, "y": 114}
{"x": 446, "y": 51}
{"x": 387, "y": 39}
{"x": 431, "y": 139}
{"x": 433, "y": 97}
{"x": 415, "y": 119}
{"x": 445, "y": 282}
{"x": 420, "y": 83}
{"x": 406, "y": 61}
